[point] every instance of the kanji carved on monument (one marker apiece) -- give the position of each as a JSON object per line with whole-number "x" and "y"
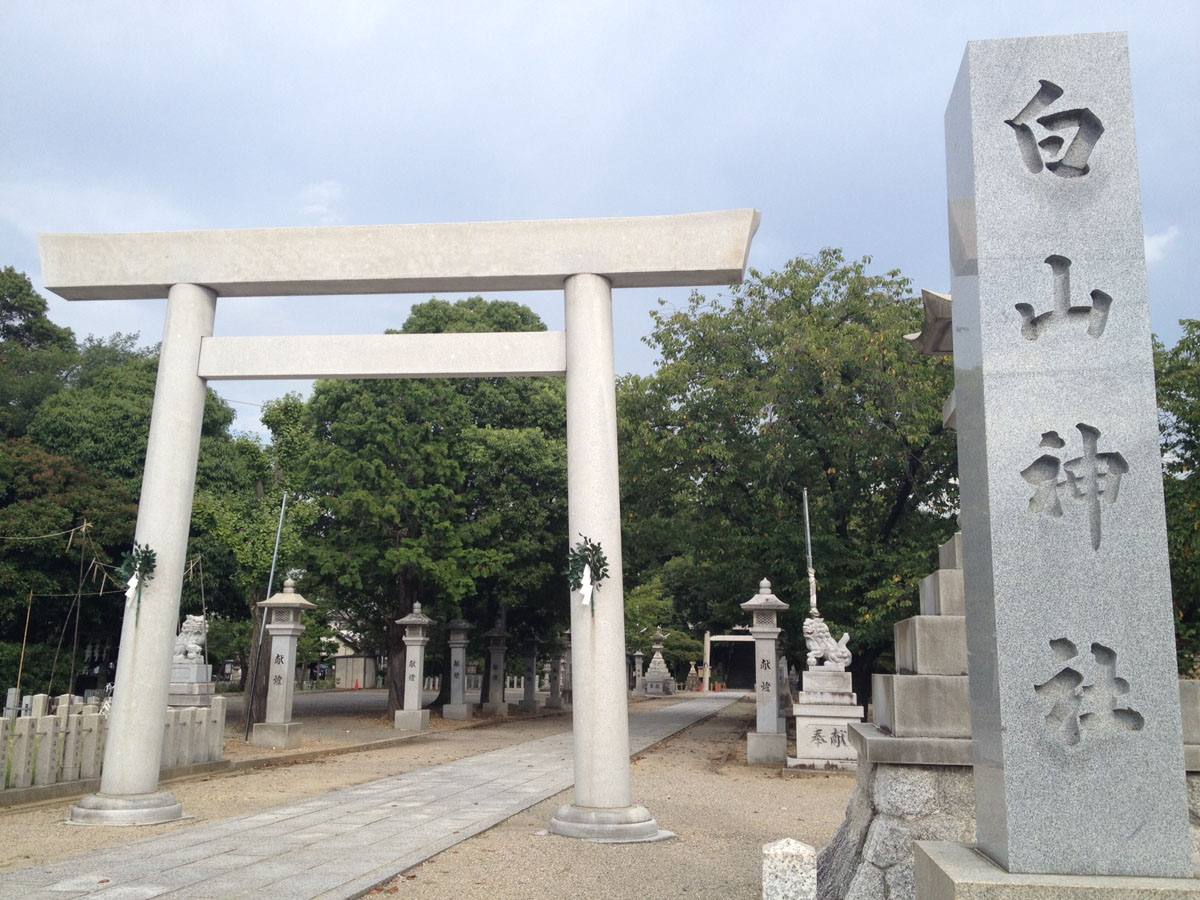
{"x": 1091, "y": 477}
{"x": 1048, "y": 153}
{"x": 1081, "y": 710}
{"x": 1096, "y": 315}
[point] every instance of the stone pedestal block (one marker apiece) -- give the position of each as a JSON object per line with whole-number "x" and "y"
{"x": 923, "y": 705}
{"x": 458, "y": 710}
{"x": 277, "y": 735}
{"x": 950, "y": 555}
{"x": 413, "y": 719}
{"x": 945, "y": 870}
{"x": 826, "y": 680}
{"x": 192, "y": 673}
{"x": 1189, "y": 707}
{"x": 931, "y": 645}
{"x": 766, "y": 749}
{"x": 942, "y": 593}
{"x": 187, "y": 694}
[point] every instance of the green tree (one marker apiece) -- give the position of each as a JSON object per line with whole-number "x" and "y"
{"x": 36, "y": 355}
{"x": 1178, "y": 377}
{"x": 799, "y": 379}
{"x": 438, "y": 491}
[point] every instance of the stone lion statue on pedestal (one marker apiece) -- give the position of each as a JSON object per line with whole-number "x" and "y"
{"x": 189, "y": 643}
{"x": 821, "y": 643}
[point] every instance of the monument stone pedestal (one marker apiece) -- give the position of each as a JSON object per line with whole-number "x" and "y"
{"x": 458, "y": 707}
{"x": 277, "y": 735}
{"x": 191, "y": 684}
{"x": 945, "y": 870}
{"x": 823, "y": 713}
{"x": 496, "y": 706}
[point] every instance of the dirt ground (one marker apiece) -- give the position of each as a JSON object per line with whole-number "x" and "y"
{"x": 696, "y": 784}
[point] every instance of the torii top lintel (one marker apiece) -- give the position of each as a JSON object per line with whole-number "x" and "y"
{"x": 652, "y": 251}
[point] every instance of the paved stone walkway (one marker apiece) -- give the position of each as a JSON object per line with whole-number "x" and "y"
{"x": 339, "y": 845}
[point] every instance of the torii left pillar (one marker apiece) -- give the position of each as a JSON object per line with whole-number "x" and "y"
{"x": 129, "y": 792}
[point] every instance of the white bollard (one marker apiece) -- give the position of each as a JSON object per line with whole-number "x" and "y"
{"x": 789, "y": 871}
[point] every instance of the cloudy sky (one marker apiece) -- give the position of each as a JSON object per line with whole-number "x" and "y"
{"x": 140, "y": 116}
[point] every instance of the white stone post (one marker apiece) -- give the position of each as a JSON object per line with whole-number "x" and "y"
{"x": 639, "y": 679}
{"x": 416, "y": 636}
{"x": 707, "y": 657}
{"x": 530, "y": 702}
{"x": 603, "y": 806}
{"x": 495, "y": 673}
{"x": 766, "y": 745}
{"x": 555, "y": 701}
{"x": 129, "y": 792}
{"x": 285, "y": 608}
{"x": 458, "y": 707}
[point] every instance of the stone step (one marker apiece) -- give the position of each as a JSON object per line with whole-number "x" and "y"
{"x": 922, "y": 705}
{"x": 950, "y": 553}
{"x": 943, "y": 594}
{"x": 931, "y": 645}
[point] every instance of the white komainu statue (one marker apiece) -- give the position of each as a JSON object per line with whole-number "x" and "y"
{"x": 189, "y": 643}
{"x": 821, "y": 643}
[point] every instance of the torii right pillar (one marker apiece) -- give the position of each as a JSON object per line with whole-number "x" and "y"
{"x": 1078, "y": 751}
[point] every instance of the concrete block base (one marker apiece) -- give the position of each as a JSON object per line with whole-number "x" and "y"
{"x": 529, "y": 706}
{"x": 129, "y": 809}
{"x": 458, "y": 710}
{"x": 631, "y": 824}
{"x": 931, "y": 645}
{"x": 412, "y": 719}
{"x": 182, "y": 693}
{"x": 950, "y": 871}
{"x": 877, "y": 746}
{"x": 798, "y": 766}
{"x": 494, "y": 709}
{"x": 943, "y": 594}
{"x": 555, "y": 704}
{"x": 277, "y": 735}
{"x": 766, "y": 749}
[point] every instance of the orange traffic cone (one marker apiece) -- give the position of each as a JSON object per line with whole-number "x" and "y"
{"x": 356, "y": 684}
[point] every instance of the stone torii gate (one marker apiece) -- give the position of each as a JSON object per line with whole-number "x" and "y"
{"x": 585, "y": 258}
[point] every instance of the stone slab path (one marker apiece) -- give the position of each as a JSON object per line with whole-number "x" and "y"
{"x": 341, "y": 844}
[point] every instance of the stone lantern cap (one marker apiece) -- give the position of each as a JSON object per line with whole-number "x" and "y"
{"x": 287, "y": 599}
{"x": 416, "y": 618}
{"x": 497, "y": 631}
{"x": 764, "y": 600}
{"x": 458, "y": 625}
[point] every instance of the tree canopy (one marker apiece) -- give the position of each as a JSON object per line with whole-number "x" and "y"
{"x": 798, "y": 379}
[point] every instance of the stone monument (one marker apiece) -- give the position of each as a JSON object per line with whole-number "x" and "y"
{"x": 1078, "y": 756}
{"x": 529, "y": 701}
{"x": 639, "y": 676}
{"x": 497, "y": 638}
{"x": 767, "y": 744}
{"x": 555, "y": 700}
{"x": 416, "y": 635}
{"x": 191, "y": 676}
{"x": 658, "y": 679}
{"x": 285, "y": 628}
{"x": 458, "y": 707}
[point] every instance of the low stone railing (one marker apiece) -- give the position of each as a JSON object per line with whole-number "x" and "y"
{"x": 69, "y": 746}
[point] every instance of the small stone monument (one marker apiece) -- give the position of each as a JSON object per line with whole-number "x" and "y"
{"x": 693, "y": 679}
{"x": 555, "y": 700}
{"x": 497, "y": 638}
{"x": 658, "y": 676}
{"x": 639, "y": 677}
{"x": 416, "y": 636}
{"x": 284, "y": 610}
{"x": 530, "y": 702}
{"x": 1077, "y": 741}
{"x": 458, "y": 707}
{"x": 767, "y": 744}
{"x": 191, "y": 676}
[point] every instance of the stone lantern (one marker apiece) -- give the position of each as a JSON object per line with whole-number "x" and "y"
{"x": 416, "y": 636}
{"x": 458, "y": 707}
{"x": 529, "y": 701}
{"x": 283, "y": 611}
{"x": 658, "y": 676}
{"x": 497, "y": 637}
{"x": 767, "y": 744}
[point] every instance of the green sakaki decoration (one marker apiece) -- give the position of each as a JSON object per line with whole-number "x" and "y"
{"x": 138, "y": 563}
{"x": 587, "y": 566}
